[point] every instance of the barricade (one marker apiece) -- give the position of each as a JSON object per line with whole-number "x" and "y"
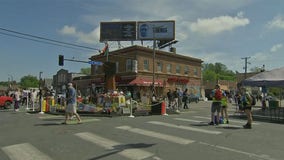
{"x": 163, "y": 109}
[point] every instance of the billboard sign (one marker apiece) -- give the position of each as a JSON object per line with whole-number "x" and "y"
{"x": 118, "y": 31}
{"x": 158, "y": 30}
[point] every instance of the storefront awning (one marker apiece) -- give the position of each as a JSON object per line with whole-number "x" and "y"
{"x": 146, "y": 82}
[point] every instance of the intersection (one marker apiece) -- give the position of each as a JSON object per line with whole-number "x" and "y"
{"x": 176, "y": 136}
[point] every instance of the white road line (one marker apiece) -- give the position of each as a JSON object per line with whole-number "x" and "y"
{"x": 187, "y": 120}
{"x": 185, "y": 127}
{"x": 24, "y": 151}
{"x": 165, "y": 137}
{"x": 230, "y": 120}
{"x": 260, "y": 157}
{"x": 130, "y": 153}
{"x": 195, "y": 121}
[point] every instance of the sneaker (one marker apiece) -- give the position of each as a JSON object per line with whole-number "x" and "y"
{"x": 211, "y": 123}
{"x": 247, "y": 126}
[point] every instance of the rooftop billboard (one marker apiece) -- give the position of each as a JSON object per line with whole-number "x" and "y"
{"x": 141, "y": 30}
{"x": 118, "y": 31}
{"x": 159, "y": 30}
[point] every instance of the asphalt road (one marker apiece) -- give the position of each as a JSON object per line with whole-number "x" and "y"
{"x": 183, "y": 136}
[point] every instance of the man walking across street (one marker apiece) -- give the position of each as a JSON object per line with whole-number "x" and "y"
{"x": 71, "y": 108}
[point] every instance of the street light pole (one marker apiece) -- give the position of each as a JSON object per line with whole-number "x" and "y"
{"x": 154, "y": 58}
{"x": 10, "y": 83}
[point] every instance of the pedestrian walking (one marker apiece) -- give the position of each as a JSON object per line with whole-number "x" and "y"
{"x": 17, "y": 99}
{"x": 176, "y": 101}
{"x": 185, "y": 99}
{"x": 170, "y": 99}
{"x": 216, "y": 105}
{"x": 179, "y": 94}
{"x": 246, "y": 100}
{"x": 33, "y": 98}
{"x": 71, "y": 108}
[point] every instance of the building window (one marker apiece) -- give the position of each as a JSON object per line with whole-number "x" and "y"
{"x": 160, "y": 67}
{"x": 177, "y": 69}
{"x": 116, "y": 67}
{"x": 128, "y": 65}
{"x": 169, "y": 68}
{"x": 146, "y": 65}
{"x": 186, "y": 70}
{"x": 195, "y": 72}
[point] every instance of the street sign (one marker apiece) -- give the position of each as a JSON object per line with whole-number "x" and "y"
{"x": 95, "y": 63}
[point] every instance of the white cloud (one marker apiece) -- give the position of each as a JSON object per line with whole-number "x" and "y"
{"x": 68, "y": 30}
{"x": 276, "y": 47}
{"x": 219, "y": 24}
{"x": 88, "y": 38}
{"x": 277, "y": 22}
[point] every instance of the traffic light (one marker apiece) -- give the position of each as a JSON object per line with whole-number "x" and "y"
{"x": 61, "y": 60}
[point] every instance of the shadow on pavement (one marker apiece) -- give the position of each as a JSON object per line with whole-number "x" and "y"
{"x": 49, "y": 124}
{"x": 122, "y": 147}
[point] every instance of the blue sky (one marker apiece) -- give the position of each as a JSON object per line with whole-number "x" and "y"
{"x": 213, "y": 30}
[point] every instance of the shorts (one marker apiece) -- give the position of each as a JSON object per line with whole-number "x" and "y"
{"x": 71, "y": 108}
{"x": 224, "y": 107}
{"x": 216, "y": 106}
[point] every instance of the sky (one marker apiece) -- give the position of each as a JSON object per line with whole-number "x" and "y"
{"x": 216, "y": 31}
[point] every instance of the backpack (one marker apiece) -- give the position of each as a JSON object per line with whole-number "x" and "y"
{"x": 218, "y": 94}
{"x": 251, "y": 99}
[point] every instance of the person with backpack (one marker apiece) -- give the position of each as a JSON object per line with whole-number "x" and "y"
{"x": 247, "y": 102}
{"x": 216, "y": 95}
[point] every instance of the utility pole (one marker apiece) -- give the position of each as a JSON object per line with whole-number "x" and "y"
{"x": 246, "y": 65}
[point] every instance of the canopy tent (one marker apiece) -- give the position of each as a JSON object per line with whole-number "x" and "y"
{"x": 273, "y": 78}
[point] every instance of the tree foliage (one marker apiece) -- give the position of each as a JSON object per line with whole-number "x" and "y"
{"x": 217, "y": 71}
{"x": 86, "y": 71}
{"x": 29, "y": 81}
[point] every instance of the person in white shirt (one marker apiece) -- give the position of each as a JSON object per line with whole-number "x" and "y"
{"x": 17, "y": 99}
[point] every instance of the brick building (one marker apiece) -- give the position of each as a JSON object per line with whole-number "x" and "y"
{"x": 134, "y": 71}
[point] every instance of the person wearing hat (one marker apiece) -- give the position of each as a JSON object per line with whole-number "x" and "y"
{"x": 71, "y": 108}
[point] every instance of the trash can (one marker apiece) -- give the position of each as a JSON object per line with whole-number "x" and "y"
{"x": 156, "y": 108}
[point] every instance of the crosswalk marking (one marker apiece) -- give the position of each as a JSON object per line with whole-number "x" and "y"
{"x": 24, "y": 151}
{"x": 131, "y": 153}
{"x": 188, "y": 120}
{"x": 260, "y": 157}
{"x": 195, "y": 121}
{"x": 166, "y": 137}
{"x": 184, "y": 127}
{"x": 235, "y": 121}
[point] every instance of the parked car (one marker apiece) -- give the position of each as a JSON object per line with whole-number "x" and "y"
{"x": 6, "y": 102}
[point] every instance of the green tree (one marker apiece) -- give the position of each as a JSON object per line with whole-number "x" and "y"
{"x": 29, "y": 81}
{"x": 217, "y": 71}
{"x": 86, "y": 71}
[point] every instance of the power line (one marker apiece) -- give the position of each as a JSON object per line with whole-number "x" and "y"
{"x": 50, "y": 41}
{"x": 35, "y": 40}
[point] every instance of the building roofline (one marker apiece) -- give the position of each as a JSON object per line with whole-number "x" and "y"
{"x": 147, "y": 49}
